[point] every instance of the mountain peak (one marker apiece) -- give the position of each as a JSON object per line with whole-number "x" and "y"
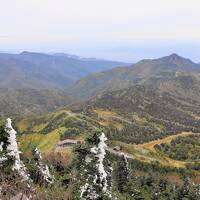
{"x": 174, "y": 55}
{"x": 176, "y": 59}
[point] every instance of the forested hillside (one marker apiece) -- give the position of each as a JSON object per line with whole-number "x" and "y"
{"x": 140, "y": 73}
{"x": 137, "y": 141}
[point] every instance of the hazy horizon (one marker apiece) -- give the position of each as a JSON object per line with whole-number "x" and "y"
{"x": 100, "y": 58}
{"x": 127, "y": 30}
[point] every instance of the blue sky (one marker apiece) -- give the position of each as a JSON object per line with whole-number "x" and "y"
{"x": 127, "y": 30}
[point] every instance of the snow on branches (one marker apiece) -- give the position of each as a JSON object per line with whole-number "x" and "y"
{"x": 11, "y": 151}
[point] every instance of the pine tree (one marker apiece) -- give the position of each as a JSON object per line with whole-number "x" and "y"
{"x": 42, "y": 174}
{"x": 95, "y": 170}
{"x": 122, "y": 173}
{"x": 12, "y": 168}
{"x": 10, "y": 155}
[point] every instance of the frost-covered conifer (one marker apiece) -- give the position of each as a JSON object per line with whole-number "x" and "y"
{"x": 96, "y": 170}
{"x": 43, "y": 175}
{"x": 9, "y": 151}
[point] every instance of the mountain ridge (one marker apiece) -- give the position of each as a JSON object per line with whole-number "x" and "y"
{"x": 138, "y": 73}
{"x": 47, "y": 70}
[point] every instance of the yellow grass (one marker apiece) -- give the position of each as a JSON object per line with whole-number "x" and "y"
{"x": 46, "y": 143}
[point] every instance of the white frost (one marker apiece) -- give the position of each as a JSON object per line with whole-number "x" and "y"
{"x": 43, "y": 169}
{"x": 2, "y": 159}
{"x": 84, "y": 189}
{"x": 100, "y": 152}
{"x": 94, "y": 150}
{"x": 12, "y": 151}
{"x": 46, "y": 173}
{"x": 88, "y": 191}
{"x": 101, "y": 155}
{"x": 37, "y": 154}
{"x": 1, "y": 146}
{"x": 88, "y": 159}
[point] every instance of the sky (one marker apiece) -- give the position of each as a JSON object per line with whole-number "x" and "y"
{"x": 126, "y": 30}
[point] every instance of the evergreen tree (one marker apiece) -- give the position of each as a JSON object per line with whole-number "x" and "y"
{"x": 122, "y": 173}
{"x": 95, "y": 170}
{"x": 42, "y": 174}
{"x": 10, "y": 155}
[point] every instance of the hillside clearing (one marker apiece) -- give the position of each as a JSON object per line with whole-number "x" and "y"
{"x": 147, "y": 153}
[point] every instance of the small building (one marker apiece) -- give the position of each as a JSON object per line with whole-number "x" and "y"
{"x": 68, "y": 143}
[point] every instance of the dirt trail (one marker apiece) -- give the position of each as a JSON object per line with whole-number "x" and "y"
{"x": 147, "y": 153}
{"x": 150, "y": 145}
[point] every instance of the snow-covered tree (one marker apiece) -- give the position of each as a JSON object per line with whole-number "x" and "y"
{"x": 42, "y": 175}
{"x": 95, "y": 175}
{"x": 10, "y": 155}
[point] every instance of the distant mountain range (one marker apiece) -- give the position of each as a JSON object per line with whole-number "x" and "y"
{"x": 143, "y": 72}
{"x": 38, "y": 70}
{"x": 34, "y": 83}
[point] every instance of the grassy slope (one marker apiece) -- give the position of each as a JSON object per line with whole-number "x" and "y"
{"x": 45, "y": 131}
{"x": 46, "y": 143}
